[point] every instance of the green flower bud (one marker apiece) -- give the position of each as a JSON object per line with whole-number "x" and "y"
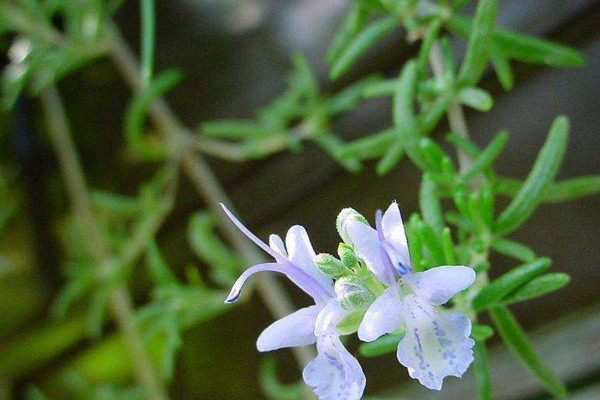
{"x": 347, "y": 214}
{"x": 330, "y": 266}
{"x": 347, "y": 255}
{"x": 353, "y": 294}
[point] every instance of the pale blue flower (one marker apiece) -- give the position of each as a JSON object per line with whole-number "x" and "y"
{"x": 436, "y": 342}
{"x": 334, "y": 374}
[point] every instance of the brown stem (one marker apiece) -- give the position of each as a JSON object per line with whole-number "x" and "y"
{"x": 120, "y": 301}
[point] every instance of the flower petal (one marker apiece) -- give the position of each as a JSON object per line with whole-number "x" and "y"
{"x": 368, "y": 247}
{"x": 436, "y": 343}
{"x": 331, "y": 315}
{"x": 335, "y": 374}
{"x": 295, "y": 329}
{"x": 438, "y": 285}
{"x": 393, "y": 229}
{"x": 301, "y": 254}
{"x": 383, "y": 316}
{"x": 276, "y": 244}
{"x": 299, "y": 277}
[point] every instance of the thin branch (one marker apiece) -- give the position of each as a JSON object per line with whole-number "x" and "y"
{"x": 120, "y": 301}
{"x": 207, "y": 185}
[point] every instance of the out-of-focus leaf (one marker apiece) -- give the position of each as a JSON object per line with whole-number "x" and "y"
{"x": 371, "y": 146}
{"x": 360, "y": 44}
{"x": 159, "y": 269}
{"x": 136, "y": 116}
{"x": 523, "y": 48}
{"x": 481, "y": 333}
{"x": 537, "y": 287}
{"x": 488, "y": 155}
{"x": 480, "y": 40}
{"x": 356, "y": 19}
{"x": 506, "y": 283}
{"x": 513, "y": 249}
{"x": 482, "y": 372}
{"x": 557, "y": 192}
{"x": 515, "y": 338}
{"x": 384, "y": 345}
{"x": 350, "y": 323}
{"x": 541, "y": 176}
{"x": 426, "y": 46}
{"x": 476, "y": 98}
{"x": 429, "y": 201}
{"x": 233, "y": 129}
{"x": 502, "y": 68}
{"x": 404, "y": 120}
{"x": 224, "y": 263}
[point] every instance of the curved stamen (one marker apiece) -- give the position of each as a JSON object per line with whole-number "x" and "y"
{"x": 280, "y": 258}
{"x": 299, "y": 277}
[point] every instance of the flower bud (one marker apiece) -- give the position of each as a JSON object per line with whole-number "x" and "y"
{"x": 347, "y": 255}
{"x": 353, "y": 294}
{"x": 347, "y": 214}
{"x": 330, "y": 266}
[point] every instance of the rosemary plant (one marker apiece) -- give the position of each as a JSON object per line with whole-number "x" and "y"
{"x": 459, "y": 223}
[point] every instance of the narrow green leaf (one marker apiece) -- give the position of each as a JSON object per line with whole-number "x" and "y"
{"x": 476, "y": 98}
{"x": 502, "y": 68}
{"x": 433, "y": 154}
{"x": 333, "y": 146}
{"x": 431, "y": 116}
{"x": 350, "y": 323}
{"x": 429, "y": 201}
{"x": 544, "y": 170}
{"x": 433, "y": 244}
{"x": 356, "y": 19}
{"x": 522, "y": 48}
{"x": 405, "y": 95}
{"x": 350, "y": 97}
{"x": 508, "y": 282}
{"x": 391, "y": 158}
{"x": 159, "y": 269}
{"x": 481, "y": 333}
{"x": 233, "y": 129}
{"x": 383, "y": 88}
{"x": 558, "y": 192}
{"x": 464, "y": 144}
{"x": 384, "y": 345}
{"x": 513, "y": 335}
{"x": 148, "y": 16}
{"x": 513, "y": 249}
{"x": 306, "y": 78}
{"x": 448, "y": 246}
{"x": 488, "y": 155}
{"x": 425, "y": 50}
{"x": 137, "y": 111}
{"x": 414, "y": 238}
{"x": 404, "y": 120}
{"x": 537, "y": 287}
{"x": 482, "y": 372}
{"x": 360, "y": 44}
{"x": 369, "y": 147}
{"x": 480, "y": 40}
